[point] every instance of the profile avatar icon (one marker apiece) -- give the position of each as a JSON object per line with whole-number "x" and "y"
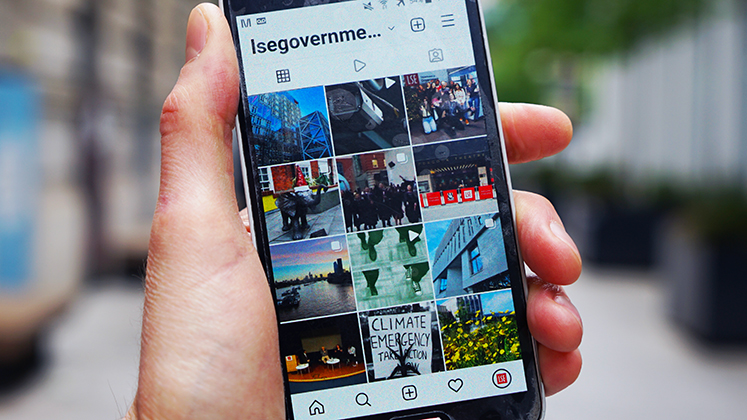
{"x": 436, "y": 55}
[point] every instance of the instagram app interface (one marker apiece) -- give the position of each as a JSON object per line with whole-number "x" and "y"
{"x": 368, "y": 125}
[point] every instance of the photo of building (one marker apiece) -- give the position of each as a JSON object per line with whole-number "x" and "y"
{"x": 289, "y": 126}
{"x": 467, "y": 255}
{"x": 455, "y": 178}
{"x": 315, "y": 137}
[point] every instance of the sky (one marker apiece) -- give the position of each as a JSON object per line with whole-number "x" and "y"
{"x": 433, "y": 234}
{"x": 296, "y": 259}
{"x": 310, "y": 100}
{"x": 500, "y": 301}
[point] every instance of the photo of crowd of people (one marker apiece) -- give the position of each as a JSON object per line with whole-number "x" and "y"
{"x": 444, "y": 105}
{"x": 367, "y": 115}
{"x": 379, "y": 190}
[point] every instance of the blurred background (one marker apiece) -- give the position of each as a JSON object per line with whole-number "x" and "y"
{"x": 653, "y": 189}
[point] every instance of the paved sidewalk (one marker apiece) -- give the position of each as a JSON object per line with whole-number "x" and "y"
{"x": 639, "y": 365}
{"x": 329, "y": 220}
{"x": 91, "y": 369}
{"x": 453, "y": 211}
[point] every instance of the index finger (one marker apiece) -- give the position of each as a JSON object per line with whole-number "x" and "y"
{"x": 534, "y": 131}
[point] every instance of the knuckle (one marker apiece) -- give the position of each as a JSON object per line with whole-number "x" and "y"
{"x": 173, "y": 108}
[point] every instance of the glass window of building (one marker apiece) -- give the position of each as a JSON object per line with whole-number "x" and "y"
{"x": 264, "y": 179}
{"x": 475, "y": 259}
{"x": 442, "y": 286}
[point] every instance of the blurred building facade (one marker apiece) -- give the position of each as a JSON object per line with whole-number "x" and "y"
{"x": 102, "y": 69}
{"x": 674, "y": 108}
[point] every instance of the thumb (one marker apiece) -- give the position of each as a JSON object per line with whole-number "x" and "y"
{"x": 208, "y": 310}
{"x": 198, "y": 118}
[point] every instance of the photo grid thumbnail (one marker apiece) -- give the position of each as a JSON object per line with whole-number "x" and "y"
{"x": 444, "y": 105}
{"x": 379, "y": 189}
{"x": 468, "y": 255}
{"x": 322, "y": 353}
{"x": 455, "y": 178}
{"x": 289, "y": 126}
{"x": 402, "y": 341}
{"x": 373, "y": 259}
{"x": 390, "y": 267}
{"x": 301, "y": 200}
{"x": 312, "y": 278}
{"x": 479, "y": 330}
{"x": 367, "y": 115}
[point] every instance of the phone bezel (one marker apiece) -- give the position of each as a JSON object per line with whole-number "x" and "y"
{"x": 532, "y": 407}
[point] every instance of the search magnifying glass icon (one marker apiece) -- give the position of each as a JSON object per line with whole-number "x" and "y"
{"x": 362, "y": 399}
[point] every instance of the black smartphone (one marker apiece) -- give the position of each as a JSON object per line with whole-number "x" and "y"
{"x": 379, "y": 195}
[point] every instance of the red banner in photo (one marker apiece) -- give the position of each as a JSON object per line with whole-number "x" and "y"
{"x": 486, "y": 192}
{"x": 451, "y": 196}
{"x": 468, "y": 194}
{"x": 434, "y": 199}
{"x": 412, "y": 79}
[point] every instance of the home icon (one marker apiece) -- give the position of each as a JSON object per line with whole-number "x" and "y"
{"x": 316, "y": 408}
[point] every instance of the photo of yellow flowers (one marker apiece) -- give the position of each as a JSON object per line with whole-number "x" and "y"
{"x": 479, "y": 330}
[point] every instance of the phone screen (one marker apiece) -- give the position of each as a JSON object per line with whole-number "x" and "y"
{"x": 380, "y": 202}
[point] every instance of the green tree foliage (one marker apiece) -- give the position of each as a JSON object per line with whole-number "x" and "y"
{"x": 527, "y": 37}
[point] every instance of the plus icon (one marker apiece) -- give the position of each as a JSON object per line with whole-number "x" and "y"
{"x": 409, "y": 392}
{"x": 417, "y": 24}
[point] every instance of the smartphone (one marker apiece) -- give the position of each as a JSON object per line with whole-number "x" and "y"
{"x": 379, "y": 195}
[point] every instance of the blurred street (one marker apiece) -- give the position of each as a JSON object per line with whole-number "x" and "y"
{"x": 635, "y": 364}
{"x": 653, "y": 189}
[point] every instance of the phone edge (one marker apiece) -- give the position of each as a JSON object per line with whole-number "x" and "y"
{"x": 507, "y": 176}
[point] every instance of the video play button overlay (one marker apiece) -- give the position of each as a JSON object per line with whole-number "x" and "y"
{"x": 413, "y": 235}
{"x": 358, "y": 65}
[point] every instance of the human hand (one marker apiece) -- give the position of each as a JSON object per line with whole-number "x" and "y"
{"x": 532, "y": 133}
{"x": 209, "y": 336}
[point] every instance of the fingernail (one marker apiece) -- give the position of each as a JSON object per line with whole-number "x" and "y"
{"x": 563, "y": 300}
{"x": 558, "y": 230}
{"x": 197, "y": 30}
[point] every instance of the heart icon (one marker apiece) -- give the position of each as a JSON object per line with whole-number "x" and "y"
{"x": 456, "y": 384}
